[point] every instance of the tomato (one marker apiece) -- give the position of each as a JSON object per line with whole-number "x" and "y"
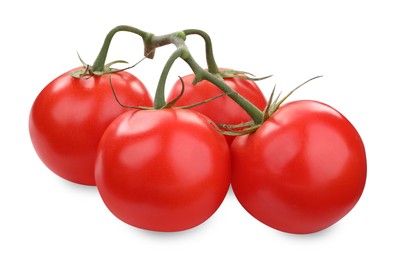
{"x": 70, "y": 115}
{"x": 302, "y": 170}
{"x": 162, "y": 170}
{"x": 222, "y": 110}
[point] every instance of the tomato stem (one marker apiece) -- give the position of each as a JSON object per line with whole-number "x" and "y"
{"x": 178, "y": 39}
{"x": 99, "y": 63}
{"x": 212, "y": 66}
{"x": 200, "y": 74}
{"x": 159, "y": 99}
{"x": 151, "y": 42}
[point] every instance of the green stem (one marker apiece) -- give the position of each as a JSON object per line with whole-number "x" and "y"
{"x": 178, "y": 39}
{"x": 252, "y": 110}
{"x": 99, "y": 63}
{"x": 159, "y": 99}
{"x": 210, "y": 60}
{"x": 151, "y": 42}
{"x": 255, "y": 113}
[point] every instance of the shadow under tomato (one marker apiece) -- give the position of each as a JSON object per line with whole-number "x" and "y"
{"x": 174, "y": 235}
{"x": 76, "y": 186}
{"x": 322, "y": 234}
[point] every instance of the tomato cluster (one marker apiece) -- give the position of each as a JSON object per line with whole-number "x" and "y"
{"x": 169, "y": 169}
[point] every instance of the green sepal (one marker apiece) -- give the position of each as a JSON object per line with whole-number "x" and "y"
{"x": 231, "y": 132}
{"x": 173, "y": 101}
{"x": 228, "y": 73}
{"x": 119, "y": 102}
{"x": 86, "y": 71}
{"x": 274, "y": 104}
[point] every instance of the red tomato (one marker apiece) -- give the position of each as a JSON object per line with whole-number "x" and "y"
{"x": 302, "y": 170}
{"x": 70, "y": 115}
{"x": 162, "y": 170}
{"x": 222, "y": 110}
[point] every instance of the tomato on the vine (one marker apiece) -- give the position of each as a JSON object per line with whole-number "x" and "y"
{"x": 162, "y": 170}
{"x": 222, "y": 110}
{"x": 302, "y": 170}
{"x": 70, "y": 115}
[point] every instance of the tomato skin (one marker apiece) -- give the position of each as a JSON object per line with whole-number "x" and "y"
{"x": 302, "y": 170}
{"x": 222, "y": 110}
{"x": 70, "y": 115}
{"x": 163, "y": 170}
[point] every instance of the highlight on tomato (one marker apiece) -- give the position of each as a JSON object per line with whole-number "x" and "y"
{"x": 162, "y": 170}
{"x": 69, "y": 116}
{"x": 222, "y": 110}
{"x": 303, "y": 169}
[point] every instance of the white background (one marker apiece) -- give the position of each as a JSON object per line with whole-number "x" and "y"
{"x": 350, "y": 43}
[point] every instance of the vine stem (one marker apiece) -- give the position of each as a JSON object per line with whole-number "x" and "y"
{"x": 99, "y": 63}
{"x": 178, "y": 39}
{"x": 151, "y": 42}
{"x": 255, "y": 113}
{"x": 212, "y": 66}
{"x": 159, "y": 99}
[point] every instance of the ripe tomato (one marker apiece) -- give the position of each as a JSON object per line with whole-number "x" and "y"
{"x": 162, "y": 170}
{"x": 302, "y": 170}
{"x": 222, "y": 110}
{"x": 70, "y": 115}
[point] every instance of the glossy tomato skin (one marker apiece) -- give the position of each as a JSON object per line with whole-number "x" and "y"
{"x": 223, "y": 110}
{"x": 70, "y": 115}
{"x": 165, "y": 170}
{"x": 302, "y": 170}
